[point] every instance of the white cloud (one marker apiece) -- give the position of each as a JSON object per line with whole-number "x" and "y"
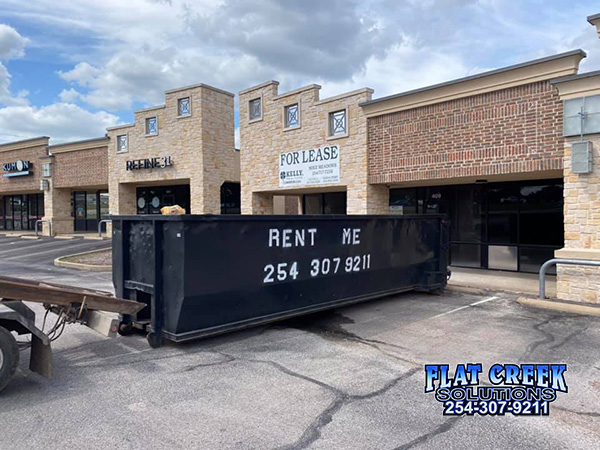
{"x": 61, "y": 121}
{"x": 12, "y": 44}
{"x": 69, "y": 96}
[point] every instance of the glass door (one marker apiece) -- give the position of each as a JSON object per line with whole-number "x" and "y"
{"x": 79, "y": 206}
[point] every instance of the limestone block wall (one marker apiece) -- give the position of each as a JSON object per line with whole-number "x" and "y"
{"x": 262, "y": 141}
{"x": 201, "y": 147}
{"x": 582, "y": 229}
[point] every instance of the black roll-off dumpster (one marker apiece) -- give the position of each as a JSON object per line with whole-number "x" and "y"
{"x": 203, "y": 275}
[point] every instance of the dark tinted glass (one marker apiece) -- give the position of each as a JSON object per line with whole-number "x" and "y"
{"x": 543, "y": 197}
{"x": 531, "y": 259}
{"x": 403, "y": 201}
{"x": 334, "y": 203}
{"x": 503, "y": 198}
{"x": 502, "y": 228}
{"x": 542, "y": 228}
{"x": 436, "y": 200}
{"x": 467, "y": 214}
{"x": 466, "y": 255}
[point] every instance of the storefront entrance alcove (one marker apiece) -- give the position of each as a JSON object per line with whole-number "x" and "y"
{"x": 150, "y": 199}
{"x": 513, "y": 226}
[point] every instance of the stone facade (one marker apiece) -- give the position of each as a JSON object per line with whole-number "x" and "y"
{"x": 582, "y": 206}
{"x": 262, "y": 141}
{"x": 201, "y": 147}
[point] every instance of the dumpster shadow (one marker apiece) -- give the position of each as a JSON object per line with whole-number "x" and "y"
{"x": 327, "y": 324}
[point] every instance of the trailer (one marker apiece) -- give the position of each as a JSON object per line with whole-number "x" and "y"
{"x": 203, "y": 275}
{"x": 71, "y": 304}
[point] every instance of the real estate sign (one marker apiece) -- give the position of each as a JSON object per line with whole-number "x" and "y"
{"x": 310, "y": 167}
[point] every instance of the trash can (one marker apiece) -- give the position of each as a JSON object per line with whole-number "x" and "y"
{"x": 203, "y": 275}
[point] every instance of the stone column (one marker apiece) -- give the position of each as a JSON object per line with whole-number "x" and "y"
{"x": 257, "y": 203}
{"x": 57, "y": 209}
{"x": 582, "y": 230}
{"x": 368, "y": 199}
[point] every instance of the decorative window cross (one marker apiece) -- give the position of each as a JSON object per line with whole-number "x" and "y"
{"x": 151, "y": 126}
{"x": 122, "y": 143}
{"x": 292, "y": 116}
{"x": 183, "y": 106}
{"x": 255, "y": 109}
{"x": 337, "y": 123}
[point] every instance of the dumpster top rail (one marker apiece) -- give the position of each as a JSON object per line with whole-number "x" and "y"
{"x": 62, "y": 295}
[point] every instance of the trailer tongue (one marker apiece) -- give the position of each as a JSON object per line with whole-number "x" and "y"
{"x": 71, "y": 304}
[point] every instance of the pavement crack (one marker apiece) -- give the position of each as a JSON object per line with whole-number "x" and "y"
{"x": 548, "y": 338}
{"x": 440, "y": 429}
{"x": 579, "y": 413}
{"x": 218, "y": 363}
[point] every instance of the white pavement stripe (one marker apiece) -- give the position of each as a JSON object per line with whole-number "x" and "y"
{"x": 485, "y": 300}
{"x": 67, "y": 251}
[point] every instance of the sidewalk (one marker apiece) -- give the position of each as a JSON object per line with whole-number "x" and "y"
{"x": 496, "y": 280}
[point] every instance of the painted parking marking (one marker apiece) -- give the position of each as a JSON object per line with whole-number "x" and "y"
{"x": 65, "y": 251}
{"x": 485, "y": 300}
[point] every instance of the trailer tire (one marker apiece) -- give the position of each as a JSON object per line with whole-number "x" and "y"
{"x": 9, "y": 357}
{"x": 125, "y": 329}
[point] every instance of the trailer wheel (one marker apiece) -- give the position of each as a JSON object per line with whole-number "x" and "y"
{"x": 9, "y": 357}
{"x": 125, "y": 329}
{"x": 154, "y": 339}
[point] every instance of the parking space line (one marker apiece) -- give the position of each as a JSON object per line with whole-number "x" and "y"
{"x": 22, "y": 246}
{"x": 485, "y": 300}
{"x": 67, "y": 250}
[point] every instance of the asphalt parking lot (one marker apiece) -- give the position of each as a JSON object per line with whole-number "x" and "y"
{"x": 34, "y": 259}
{"x": 351, "y": 378}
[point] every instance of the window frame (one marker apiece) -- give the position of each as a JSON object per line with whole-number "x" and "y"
{"x": 119, "y": 136}
{"x": 189, "y": 99}
{"x": 262, "y": 111}
{"x": 286, "y": 126}
{"x": 330, "y": 114}
{"x": 148, "y": 119}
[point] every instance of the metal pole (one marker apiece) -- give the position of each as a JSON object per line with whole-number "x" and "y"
{"x": 100, "y": 226}
{"x": 551, "y": 262}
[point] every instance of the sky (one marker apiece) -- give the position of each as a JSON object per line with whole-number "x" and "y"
{"x": 70, "y": 69}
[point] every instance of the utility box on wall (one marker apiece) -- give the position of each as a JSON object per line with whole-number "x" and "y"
{"x": 581, "y": 157}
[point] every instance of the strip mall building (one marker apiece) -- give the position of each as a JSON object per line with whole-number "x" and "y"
{"x": 494, "y": 151}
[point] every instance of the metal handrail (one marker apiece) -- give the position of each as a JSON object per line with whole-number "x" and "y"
{"x": 100, "y": 226}
{"x": 42, "y": 221}
{"x": 551, "y": 262}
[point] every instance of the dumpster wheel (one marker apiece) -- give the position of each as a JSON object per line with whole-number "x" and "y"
{"x": 154, "y": 339}
{"x": 9, "y": 357}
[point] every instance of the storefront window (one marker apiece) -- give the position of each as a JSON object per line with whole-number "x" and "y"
{"x": 403, "y": 201}
{"x": 507, "y": 226}
{"x": 328, "y": 203}
{"x": 230, "y": 198}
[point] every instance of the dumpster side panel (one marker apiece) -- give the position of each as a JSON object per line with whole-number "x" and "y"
{"x": 252, "y": 271}
{"x": 222, "y": 273}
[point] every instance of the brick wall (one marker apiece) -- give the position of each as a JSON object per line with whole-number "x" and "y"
{"x": 78, "y": 169}
{"x": 24, "y": 184}
{"x": 514, "y": 130}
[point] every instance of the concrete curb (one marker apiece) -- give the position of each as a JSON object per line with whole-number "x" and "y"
{"x": 557, "y": 305}
{"x": 459, "y": 288}
{"x": 59, "y": 262}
